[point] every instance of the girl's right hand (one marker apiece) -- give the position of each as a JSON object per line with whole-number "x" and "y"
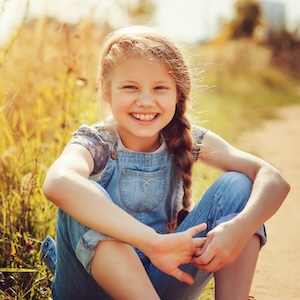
{"x": 169, "y": 251}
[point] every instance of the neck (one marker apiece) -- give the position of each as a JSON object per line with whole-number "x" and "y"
{"x": 147, "y": 144}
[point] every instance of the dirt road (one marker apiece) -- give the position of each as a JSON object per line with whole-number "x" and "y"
{"x": 278, "y": 270}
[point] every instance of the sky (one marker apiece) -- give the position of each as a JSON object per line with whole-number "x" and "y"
{"x": 186, "y": 20}
{"x": 191, "y": 20}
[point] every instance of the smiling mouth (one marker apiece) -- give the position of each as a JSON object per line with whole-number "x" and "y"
{"x": 144, "y": 117}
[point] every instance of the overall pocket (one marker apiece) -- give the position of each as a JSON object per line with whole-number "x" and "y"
{"x": 142, "y": 191}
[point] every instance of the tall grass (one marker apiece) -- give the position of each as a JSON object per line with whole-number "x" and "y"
{"x": 48, "y": 89}
{"x": 46, "y": 92}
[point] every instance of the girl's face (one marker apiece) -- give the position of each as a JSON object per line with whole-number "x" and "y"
{"x": 143, "y": 99}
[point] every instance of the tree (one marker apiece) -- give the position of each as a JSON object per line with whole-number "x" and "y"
{"x": 138, "y": 11}
{"x": 247, "y": 17}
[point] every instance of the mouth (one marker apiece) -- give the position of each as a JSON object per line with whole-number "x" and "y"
{"x": 144, "y": 117}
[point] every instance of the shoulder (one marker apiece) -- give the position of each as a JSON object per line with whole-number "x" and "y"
{"x": 96, "y": 139}
{"x": 97, "y": 131}
{"x": 197, "y": 133}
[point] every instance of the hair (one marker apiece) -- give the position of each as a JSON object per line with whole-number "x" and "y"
{"x": 149, "y": 44}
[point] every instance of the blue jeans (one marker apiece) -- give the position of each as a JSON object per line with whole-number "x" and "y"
{"x": 223, "y": 200}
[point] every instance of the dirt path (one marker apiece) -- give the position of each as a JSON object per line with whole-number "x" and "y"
{"x": 278, "y": 270}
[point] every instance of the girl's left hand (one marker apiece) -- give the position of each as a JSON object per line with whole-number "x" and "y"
{"x": 223, "y": 245}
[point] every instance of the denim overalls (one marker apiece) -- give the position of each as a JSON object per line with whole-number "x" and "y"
{"x": 147, "y": 186}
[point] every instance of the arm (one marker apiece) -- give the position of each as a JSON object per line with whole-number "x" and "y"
{"x": 268, "y": 192}
{"x": 66, "y": 185}
{"x": 269, "y": 187}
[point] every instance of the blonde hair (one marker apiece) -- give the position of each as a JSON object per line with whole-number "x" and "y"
{"x": 149, "y": 44}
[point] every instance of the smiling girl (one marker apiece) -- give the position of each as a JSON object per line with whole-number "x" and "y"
{"x": 127, "y": 227}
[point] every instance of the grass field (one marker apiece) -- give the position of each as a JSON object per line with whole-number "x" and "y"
{"x": 48, "y": 88}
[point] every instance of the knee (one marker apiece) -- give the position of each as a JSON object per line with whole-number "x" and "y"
{"x": 238, "y": 183}
{"x": 112, "y": 246}
{"x": 108, "y": 252}
{"x": 236, "y": 177}
{"x": 235, "y": 191}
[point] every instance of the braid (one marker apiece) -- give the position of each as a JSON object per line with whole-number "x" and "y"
{"x": 180, "y": 145}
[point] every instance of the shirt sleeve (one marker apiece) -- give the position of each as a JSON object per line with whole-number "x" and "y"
{"x": 90, "y": 138}
{"x": 197, "y": 135}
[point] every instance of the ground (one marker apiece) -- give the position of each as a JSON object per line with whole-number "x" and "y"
{"x": 278, "y": 270}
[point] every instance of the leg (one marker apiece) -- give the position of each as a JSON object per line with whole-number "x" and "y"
{"x": 222, "y": 201}
{"x": 72, "y": 280}
{"x": 233, "y": 282}
{"x": 118, "y": 270}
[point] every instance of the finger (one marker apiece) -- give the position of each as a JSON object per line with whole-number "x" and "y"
{"x": 196, "y": 229}
{"x": 212, "y": 266}
{"x": 204, "y": 255}
{"x": 205, "y": 246}
{"x": 200, "y": 261}
{"x": 208, "y": 260}
{"x": 183, "y": 276}
{"x": 199, "y": 252}
{"x": 199, "y": 242}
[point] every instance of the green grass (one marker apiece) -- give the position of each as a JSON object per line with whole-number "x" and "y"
{"x": 48, "y": 89}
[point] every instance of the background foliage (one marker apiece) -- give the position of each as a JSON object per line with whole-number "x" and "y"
{"x": 48, "y": 88}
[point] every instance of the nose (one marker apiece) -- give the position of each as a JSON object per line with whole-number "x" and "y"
{"x": 145, "y": 99}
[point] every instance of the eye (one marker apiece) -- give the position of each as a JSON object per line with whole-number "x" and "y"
{"x": 161, "y": 87}
{"x": 129, "y": 87}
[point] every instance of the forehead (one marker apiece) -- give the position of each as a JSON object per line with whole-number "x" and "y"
{"x": 143, "y": 68}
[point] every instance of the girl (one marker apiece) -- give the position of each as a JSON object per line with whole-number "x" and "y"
{"x": 126, "y": 225}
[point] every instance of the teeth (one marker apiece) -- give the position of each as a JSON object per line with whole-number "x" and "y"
{"x": 145, "y": 117}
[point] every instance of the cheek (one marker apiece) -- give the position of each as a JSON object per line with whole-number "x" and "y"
{"x": 170, "y": 105}
{"x": 169, "y": 111}
{"x": 119, "y": 105}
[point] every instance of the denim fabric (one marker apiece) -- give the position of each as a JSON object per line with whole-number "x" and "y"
{"x": 150, "y": 182}
{"x": 155, "y": 191}
{"x": 223, "y": 200}
{"x": 49, "y": 253}
{"x": 145, "y": 185}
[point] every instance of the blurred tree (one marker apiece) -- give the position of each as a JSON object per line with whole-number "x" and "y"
{"x": 285, "y": 48}
{"x": 248, "y": 22}
{"x": 247, "y": 17}
{"x": 138, "y": 11}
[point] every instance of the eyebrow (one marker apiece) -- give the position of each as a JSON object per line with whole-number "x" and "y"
{"x": 156, "y": 82}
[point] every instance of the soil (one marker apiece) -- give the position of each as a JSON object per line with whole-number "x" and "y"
{"x": 278, "y": 270}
